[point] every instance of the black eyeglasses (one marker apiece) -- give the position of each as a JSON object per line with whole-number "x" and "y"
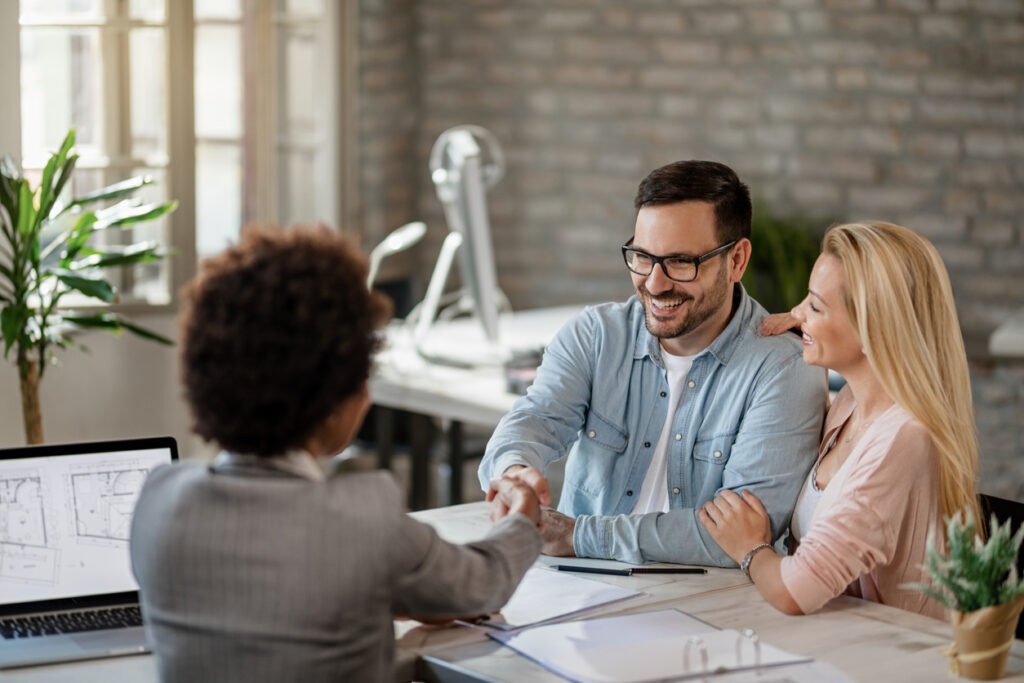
{"x": 678, "y": 268}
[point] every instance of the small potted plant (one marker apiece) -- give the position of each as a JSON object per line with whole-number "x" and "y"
{"x": 979, "y": 583}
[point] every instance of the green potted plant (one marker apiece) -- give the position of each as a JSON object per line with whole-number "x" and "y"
{"x": 978, "y": 582}
{"x": 784, "y": 251}
{"x": 47, "y": 251}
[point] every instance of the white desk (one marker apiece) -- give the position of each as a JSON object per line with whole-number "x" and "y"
{"x": 864, "y": 640}
{"x": 403, "y": 379}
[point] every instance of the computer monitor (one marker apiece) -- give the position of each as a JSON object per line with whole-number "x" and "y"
{"x": 461, "y": 178}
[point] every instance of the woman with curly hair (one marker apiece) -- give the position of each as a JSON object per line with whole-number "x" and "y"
{"x": 259, "y": 567}
{"x": 899, "y": 449}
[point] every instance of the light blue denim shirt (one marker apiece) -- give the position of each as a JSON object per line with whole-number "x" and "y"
{"x": 749, "y": 418}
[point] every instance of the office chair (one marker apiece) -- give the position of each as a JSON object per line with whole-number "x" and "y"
{"x": 1004, "y": 510}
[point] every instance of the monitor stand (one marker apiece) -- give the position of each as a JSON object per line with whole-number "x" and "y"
{"x": 460, "y": 342}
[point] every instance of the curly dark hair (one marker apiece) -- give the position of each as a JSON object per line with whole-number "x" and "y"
{"x": 277, "y": 332}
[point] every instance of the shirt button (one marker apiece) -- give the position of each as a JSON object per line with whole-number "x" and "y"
{"x": 591, "y": 433}
{"x": 663, "y": 394}
{"x": 675, "y": 490}
{"x": 718, "y": 454}
{"x": 691, "y": 384}
{"x": 679, "y": 437}
{"x": 647, "y": 444}
{"x": 629, "y": 493}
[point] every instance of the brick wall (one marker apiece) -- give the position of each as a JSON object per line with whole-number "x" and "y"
{"x": 389, "y": 114}
{"x": 906, "y": 110}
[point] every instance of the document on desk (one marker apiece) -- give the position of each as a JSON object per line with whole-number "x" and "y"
{"x": 653, "y": 646}
{"x": 545, "y": 595}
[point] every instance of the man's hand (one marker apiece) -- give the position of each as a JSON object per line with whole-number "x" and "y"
{"x": 557, "y": 533}
{"x": 530, "y": 476}
{"x": 508, "y": 496}
{"x": 737, "y": 523}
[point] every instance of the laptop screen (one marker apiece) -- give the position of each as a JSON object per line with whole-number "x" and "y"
{"x": 65, "y": 516}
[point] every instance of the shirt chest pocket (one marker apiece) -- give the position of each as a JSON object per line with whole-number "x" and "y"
{"x": 714, "y": 450}
{"x": 604, "y": 433}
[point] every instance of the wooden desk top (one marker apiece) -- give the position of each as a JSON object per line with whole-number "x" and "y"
{"x": 865, "y": 640}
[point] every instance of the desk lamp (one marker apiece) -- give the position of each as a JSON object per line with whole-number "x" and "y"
{"x": 398, "y": 240}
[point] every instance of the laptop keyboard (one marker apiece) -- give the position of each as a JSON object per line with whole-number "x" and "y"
{"x": 70, "y": 622}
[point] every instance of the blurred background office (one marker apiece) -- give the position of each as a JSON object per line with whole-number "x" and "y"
{"x": 300, "y": 110}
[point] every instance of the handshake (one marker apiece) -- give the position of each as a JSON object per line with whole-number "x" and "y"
{"x": 520, "y": 489}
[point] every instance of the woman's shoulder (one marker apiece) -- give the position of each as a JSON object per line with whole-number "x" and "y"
{"x": 897, "y": 445}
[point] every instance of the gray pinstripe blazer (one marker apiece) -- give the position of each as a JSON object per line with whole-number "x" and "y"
{"x": 260, "y": 575}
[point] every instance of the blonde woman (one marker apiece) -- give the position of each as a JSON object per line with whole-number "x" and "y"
{"x": 899, "y": 448}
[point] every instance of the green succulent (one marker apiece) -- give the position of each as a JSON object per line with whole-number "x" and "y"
{"x": 973, "y": 573}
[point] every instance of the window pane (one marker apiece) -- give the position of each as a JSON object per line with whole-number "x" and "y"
{"x": 314, "y": 7}
{"x": 299, "y": 101}
{"x": 151, "y": 279}
{"x": 57, "y": 11}
{"x": 148, "y": 92}
{"x": 218, "y": 9}
{"x": 218, "y": 196}
{"x": 298, "y": 198}
{"x": 148, "y": 10}
{"x": 218, "y": 87}
{"x": 61, "y": 87}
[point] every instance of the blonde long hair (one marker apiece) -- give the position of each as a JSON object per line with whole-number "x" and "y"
{"x": 900, "y": 304}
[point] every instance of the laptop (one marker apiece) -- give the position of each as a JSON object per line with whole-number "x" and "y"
{"x": 66, "y": 587}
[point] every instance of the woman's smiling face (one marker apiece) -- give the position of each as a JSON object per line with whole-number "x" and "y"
{"x": 828, "y": 337}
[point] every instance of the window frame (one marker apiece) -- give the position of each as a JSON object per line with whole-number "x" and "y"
{"x": 336, "y": 193}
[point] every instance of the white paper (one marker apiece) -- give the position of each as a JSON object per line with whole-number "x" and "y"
{"x": 647, "y": 646}
{"x": 544, "y": 595}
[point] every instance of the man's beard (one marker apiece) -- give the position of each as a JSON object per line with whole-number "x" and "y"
{"x": 705, "y": 307}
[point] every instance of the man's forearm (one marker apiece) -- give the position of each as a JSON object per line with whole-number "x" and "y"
{"x": 674, "y": 536}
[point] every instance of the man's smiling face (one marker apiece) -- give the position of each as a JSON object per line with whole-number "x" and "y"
{"x": 677, "y": 312}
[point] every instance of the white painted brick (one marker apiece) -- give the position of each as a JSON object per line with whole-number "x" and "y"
{"x": 938, "y": 227}
{"x": 688, "y": 51}
{"x": 996, "y": 233}
{"x": 770, "y": 22}
{"x": 660, "y": 21}
{"x": 942, "y": 26}
{"x": 566, "y": 19}
{"x": 878, "y": 200}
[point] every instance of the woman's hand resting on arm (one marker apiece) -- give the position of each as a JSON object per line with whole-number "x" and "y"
{"x": 777, "y": 323}
{"x": 738, "y": 523}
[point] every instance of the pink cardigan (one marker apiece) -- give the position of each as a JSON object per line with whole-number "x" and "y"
{"x": 870, "y": 528}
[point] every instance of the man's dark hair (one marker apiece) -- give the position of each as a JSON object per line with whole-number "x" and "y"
{"x": 275, "y": 333}
{"x": 701, "y": 181}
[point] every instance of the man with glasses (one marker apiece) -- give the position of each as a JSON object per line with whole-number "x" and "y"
{"x": 662, "y": 401}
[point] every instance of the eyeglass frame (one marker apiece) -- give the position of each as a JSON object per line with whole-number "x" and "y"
{"x": 660, "y": 260}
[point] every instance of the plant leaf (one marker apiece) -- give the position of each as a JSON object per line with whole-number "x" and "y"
{"x": 12, "y": 325}
{"x": 26, "y": 212}
{"x": 146, "y": 334}
{"x": 95, "y": 287}
{"x": 115, "y": 191}
{"x": 128, "y": 215}
{"x": 73, "y": 239}
{"x": 142, "y": 252}
{"x": 115, "y": 323}
{"x": 62, "y": 179}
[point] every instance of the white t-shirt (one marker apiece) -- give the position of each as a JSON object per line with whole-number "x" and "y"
{"x": 654, "y": 492}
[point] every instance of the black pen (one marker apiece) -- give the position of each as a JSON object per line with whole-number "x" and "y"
{"x": 631, "y": 571}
